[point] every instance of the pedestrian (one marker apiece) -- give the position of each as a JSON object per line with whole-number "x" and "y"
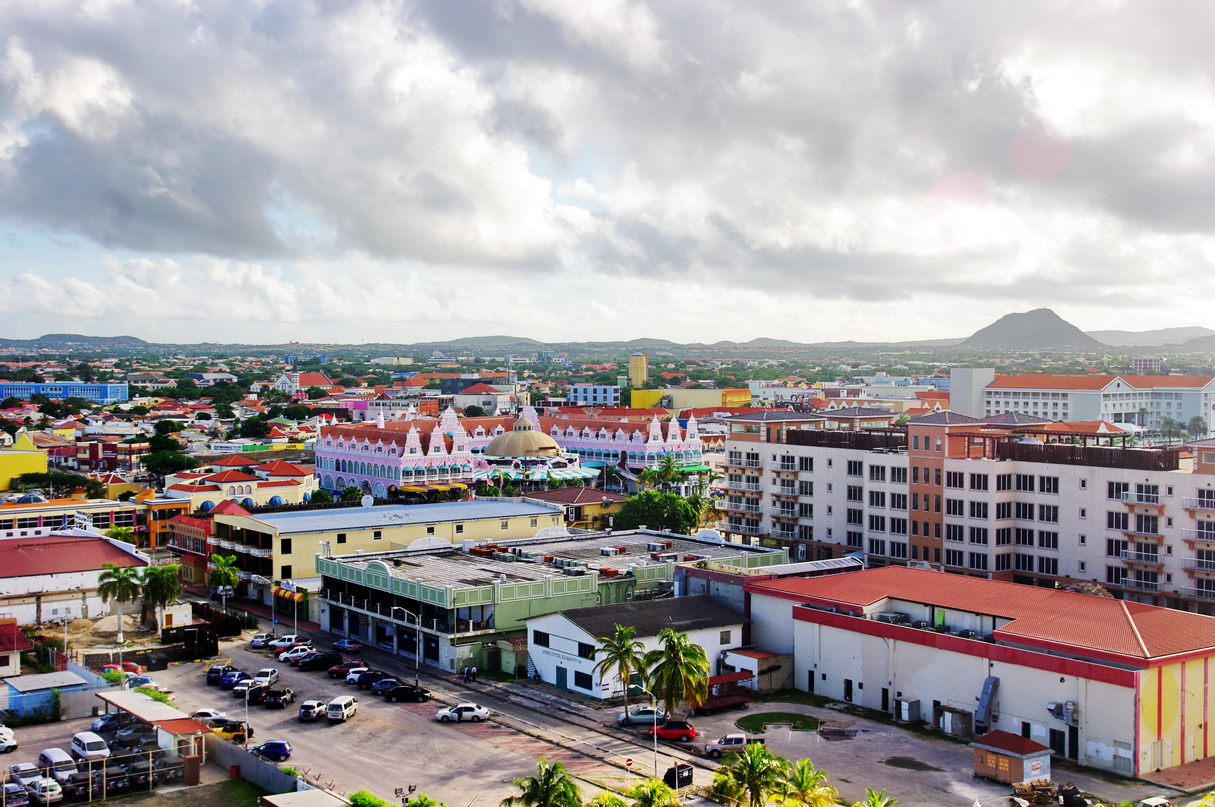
{"x": 473, "y": 672}
{"x": 465, "y": 672}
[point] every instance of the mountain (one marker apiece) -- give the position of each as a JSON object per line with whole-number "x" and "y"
{"x": 1040, "y": 329}
{"x": 490, "y": 341}
{"x": 1157, "y": 338}
{"x": 1201, "y": 344}
{"x": 76, "y": 341}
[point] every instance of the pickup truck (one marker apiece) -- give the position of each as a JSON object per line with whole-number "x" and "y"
{"x": 278, "y": 698}
{"x": 235, "y": 730}
{"x": 731, "y": 742}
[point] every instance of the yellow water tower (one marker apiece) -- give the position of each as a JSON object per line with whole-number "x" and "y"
{"x": 639, "y": 370}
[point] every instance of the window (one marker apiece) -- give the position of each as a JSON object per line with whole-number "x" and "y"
{"x": 877, "y": 473}
{"x": 977, "y": 560}
{"x": 285, "y": 572}
{"x": 877, "y": 546}
{"x": 936, "y": 503}
{"x": 955, "y": 479}
{"x": 1004, "y": 536}
{"x": 1048, "y": 566}
{"x": 539, "y": 638}
{"x": 1024, "y": 537}
{"x": 978, "y": 535}
{"x": 1115, "y": 575}
{"x": 855, "y": 516}
{"x": 1147, "y": 525}
{"x": 877, "y": 523}
{"x": 1048, "y": 513}
{"x": 724, "y": 637}
{"x": 898, "y": 501}
{"x": 1083, "y": 513}
{"x": 1003, "y": 562}
{"x": 898, "y": 549}
{"x": 341, "y": 537}
{"x": 805, "y": 463}
{"x": 855, "y": 539}
{"x": 915, "y": 475}
{"x": 1025, "y": 482}
{"x": 534, "y": 522}
{"x": 805, "y": 510}
{"x": 1004, "y": 482}
{"x": 805, "y": 488}
{"x": 1117, "y": 520}
{"x": 978, "y": 510}
{"x": 954, "y": 507}
{"x": 377, "y": 535}
{"x": 954, "y": 557}
{"x": 877, "y": 498}
{"x": 1048, "y": 539}
{"x": 430, "y": 529}
{"x": 1048, "y": 484}
{"x": 284, "y": 546}
{"x": 856, "y": 468}
{"x": 1003, "y": 510}
{"x": 505, "y": 525}
{"x": 1117, "y": 490}
{"x": 898, "y": 526}
{"x": 898, "y": 475}
{"x": 586, "y": 650}
{"x": 1023, "y": 563}
{"x": 1025, "y": 511}
{"x": 459, "y": 529}
{"x": 954, "y": 532}
{"x": 978, "y": 481}
{"x": 855, "y": 493}
{"x": 936, "y": 476}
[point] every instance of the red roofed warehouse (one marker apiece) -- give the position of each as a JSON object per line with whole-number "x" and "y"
{"x": 1108, "y": 683}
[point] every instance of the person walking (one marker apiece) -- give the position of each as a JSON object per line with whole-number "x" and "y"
{"x": 473, "y": 672}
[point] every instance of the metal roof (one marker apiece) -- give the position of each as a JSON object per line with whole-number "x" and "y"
{"x": 827, "y": 564}
{"x": 399, "y": 515}
{"x": 53, "y": 680}
{"x": 141, "y": 705}
{"x": 649, "y": 617}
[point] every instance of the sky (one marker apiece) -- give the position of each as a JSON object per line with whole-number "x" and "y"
{"x": 584, "y": 170}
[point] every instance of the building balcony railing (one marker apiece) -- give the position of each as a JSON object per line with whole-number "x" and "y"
{"x": 754, "y": 487}
{"x": 1207, "y": 536}
{"x": 784, "y": 491}
{"x": 1198, "y": 504}
{"x": 741, "y": 507}
{"x": 1154, "y": 537}
{"x": 787, "y": 534}
{"x": 744, "y": 529}
{"x": 753, "y": 464}
{"x": 786, "y": 466}
{"x": 1140, "y": 585}
{"x": 1145, "y": 558}
{"x": 784, "y": 514}
{"x": 1198, "y": 593}
{"x": 1134, "y": 499}
{"x": 387, "y": 611}
{"x": 1200, "y": 564}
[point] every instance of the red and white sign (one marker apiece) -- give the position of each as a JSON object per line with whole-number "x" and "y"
{"x": 628, "y": 763}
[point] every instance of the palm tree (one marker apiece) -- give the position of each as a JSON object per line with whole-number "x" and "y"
{"x": 1196, "y": 427}
{"x": 648, "y": 478}
{"x": 224, "y": 576}
{"x": 124, "y": 534}
{"x": 606, "y": 798}
{"x": 668, "y": 471}
{"x": 1170, "y": 428}
{"x": 875, "y": 798}
{"x": 804, "y": 784}
{"x": 552, "y": 786}
{"x": 120, "y": 584}
{"x": 679, "y": 671}
{"x": 653, "y": 793}
{"x": 724, "y": 788}
{"x": 161, "y": 586}
{"x": 755, "y": 773}
{"x": 622, "y": 655}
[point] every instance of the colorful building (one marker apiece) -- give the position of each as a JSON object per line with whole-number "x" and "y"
{"x": 22, "y": 457}
{"x": 57, "y": 391}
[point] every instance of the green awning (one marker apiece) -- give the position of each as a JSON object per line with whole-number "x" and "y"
{"x": 694, "y": 469}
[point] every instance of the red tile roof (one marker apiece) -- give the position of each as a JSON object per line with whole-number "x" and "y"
{"x": 481, "y": 388}
{"x": 224, "y": 477}
{"x": 11, "y": 637}
{"x": 314, "y": 380}
{"x": 234, "y": 461}
{"x": 1039, "y": 616}
{"x": 195, "y": 488}
{"x": 228, "y": 508}
{"x": 60, "y": 554}
{"x": 1012, "y": 743}
{"x": 282, "y": 468}
{"x": 1095, "y": 382}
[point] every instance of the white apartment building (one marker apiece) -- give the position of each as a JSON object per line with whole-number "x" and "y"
{"x": 991, "y": 498}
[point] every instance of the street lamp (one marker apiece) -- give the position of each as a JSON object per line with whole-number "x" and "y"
{"x": 653, "y": 725}
{"x": 257, "y": 578}
{"x": 417, "y": 642}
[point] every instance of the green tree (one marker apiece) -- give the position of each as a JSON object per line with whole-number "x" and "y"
{"x": 119, "y": 584}
{"x": 1196, "y": 427}
{"x": 124, "y": 534}
{"x": 679, "y": 671}
{"x": 11, "y": 403}
{"x": 137, "y": 409}
{"x": 552, "y": 786}
{"x": 622, "y": 655}
{"x": 164, "y": 463}
{"x": 163, "y": 442}
{"x": 653, "y": 793}
{"x": 648, "y": 478}
{"x": 224, "y": 575}
{"x": 161, "y": 587}
{"x": 668, "y": 472}
{"x": 606, "y": 798}
{"x": 166, "y": 426}
{"x": 804, "y": 785}
{"x": 1171, "y": 429}
{"x": 351, "y": 493}
{"x": 474, "y": 411}
{"x": 315, "y": 393}
{"x": 253, "y": 428}
{"x": 755, "y": 773}
{"x": 875, "y": 798}
{"x": 611, "y": 477}
{"x": 320, "y": 496}
{"x": 660, "y": 511}
{"x": 297, "y": 412}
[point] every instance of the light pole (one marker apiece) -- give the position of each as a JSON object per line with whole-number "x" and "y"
{"x": 257, "y": 578}
{"x": 246, "y": 717}
{"x": 653, "y": 724}
{"x": 417, "y": 642}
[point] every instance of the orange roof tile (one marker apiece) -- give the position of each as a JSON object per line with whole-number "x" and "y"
{"x": 224, "y": 477}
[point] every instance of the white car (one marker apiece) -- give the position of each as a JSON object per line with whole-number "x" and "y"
{"x": 296, "y": 653}
{"x": 462, "y": 711}
{"x": 23, "y": 773}
{"x": 642, "y": 714}
{"x": 267, "y": 676}
{"x": 44, "y": 790}
{"x": 352, "y": 676}
{"x": 261, "y": 640}
{"x": 286, "y": 641}
{"x": 8, "y": 740}
{"x": 208, "y": 714}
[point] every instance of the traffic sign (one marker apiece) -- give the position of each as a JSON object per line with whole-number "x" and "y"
{"x": 276, "y": 620}
{"x": 628, "y": 763}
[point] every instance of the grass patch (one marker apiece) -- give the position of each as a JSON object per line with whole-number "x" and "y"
{"x": 790, "y": 696}
{"x": 241, "y": 793}
{"x": 756, "y": 723}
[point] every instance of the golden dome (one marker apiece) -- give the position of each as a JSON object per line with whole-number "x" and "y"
{"x": 523, "y": 441}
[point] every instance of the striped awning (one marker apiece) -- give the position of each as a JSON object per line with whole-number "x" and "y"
{"x": 435, "y": 488}
{"x": 288, "y": 594}
{"x": 536, "y": 476}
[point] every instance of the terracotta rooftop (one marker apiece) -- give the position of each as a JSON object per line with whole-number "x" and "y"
{"x": 1011, "y": 743}
{"x": 1096, "y": 382}
{"x": 34, "y": 557}
{"x": 1066, "y": 620}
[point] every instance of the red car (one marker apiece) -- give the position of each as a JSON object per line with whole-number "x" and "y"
{"x": 340, "y": 670}
{"x": 125, "y": 666}
{"x": 674, "y": 730}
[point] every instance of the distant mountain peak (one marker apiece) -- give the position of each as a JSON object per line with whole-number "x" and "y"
{"x": 1040, "y": 329}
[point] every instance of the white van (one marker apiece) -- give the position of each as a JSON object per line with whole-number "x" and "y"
{"x": 341, "y": 709}
{"x": 57, "y": 763}
{"x": 89, "y": 747}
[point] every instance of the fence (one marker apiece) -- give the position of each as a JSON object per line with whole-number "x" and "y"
{"x": 266, "y": 774}
{"x": 131, "y": 772}
{"x": 228, "y": 625}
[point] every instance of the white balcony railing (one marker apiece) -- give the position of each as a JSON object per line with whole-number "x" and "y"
{"x": 1201, "y": 564}
{"x": 1141, "y": 498}
{"x": 1141, "y": 557}
{"x": 1140, "y": 585}
{"x": 1198, "y": 504}
{"x": 1198, "y": 593}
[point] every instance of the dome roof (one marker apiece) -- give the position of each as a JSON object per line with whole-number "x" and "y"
{"x": 523, "y": 441}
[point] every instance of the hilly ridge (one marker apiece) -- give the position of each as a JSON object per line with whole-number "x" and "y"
{"x": 1040, "y": 329}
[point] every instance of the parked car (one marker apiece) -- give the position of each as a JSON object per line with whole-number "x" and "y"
{"x": 126, "y": 667}
{"x": 731, "y": 743}
{"x": 348, "y": 645}
{"x": 57, "y": 763}
{"x": 352, "y": 675}
{"x": 207, "y": 714}
{"x": 278, "y": 698}
{"x": 366, "y": 679}
{"x": 15, "y": 796}
{"x": 642, "y": 714}
{"x": 383, "y": 685}
{"x": 267, "y": 676}
{"x": 24, "y": 772}
{"x": 113, "y": 721}
{"x": 79, "y": 787}
{"x": 279, "y": 652}
{"x": 406, "y": 692}
{"x": 293, "y": 655}
{"x": 8, "y": 740}
{"x": 44, "y": 790}
{"x": 168, "y": 770}
{"x": 139, "y": 741}
{"x": 261, "y": 640}
{"x": 461, "y": 712}
{"x": 216, "y": 672}
{"x": 88, "y": 746}
{"x": 232, "y": 678}
{"x": 273, "y": 750}
{"x": 341, "y": 708}
{"x": 319, "y": 661}
{"x": 140, "y": 775}
{"x": 283, "y": 642}
{"x": 343, "y": 669}
{"x": 111, "y": 779}
{"x": 235, "y": 730}
{"x": 680, "y": 730}
{"x": 311, "y": 711}
{"x": 252, "y": 692}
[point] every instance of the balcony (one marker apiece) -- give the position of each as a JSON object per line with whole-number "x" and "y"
{"x": 1142, "y": 558}
{"x": 785, "y": 491}
{"x": 753, "y": 463}
{"x": 1143, "y": 500}
{"x": 1198, "y": 564}
{"x": 1205, "y": 536}
{"x": 1198, "y": 504}
{"x": 1154, "y": 537}
{"x": 786, "y": 534}
{"x": 744, "y": 529}
{"x": 785, "y": 514}
{"x": 1198, "y": 593}
{"x": 383, "y": 609}
{"x": 753, "y": 487}
{"x": 1140, "y": 585}
{"x": 786, "y": 467}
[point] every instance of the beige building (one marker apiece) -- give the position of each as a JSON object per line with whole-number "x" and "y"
{"x": 639, "y": 370}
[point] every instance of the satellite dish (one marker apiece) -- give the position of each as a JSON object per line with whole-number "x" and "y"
{"x": 367, "y": 501}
